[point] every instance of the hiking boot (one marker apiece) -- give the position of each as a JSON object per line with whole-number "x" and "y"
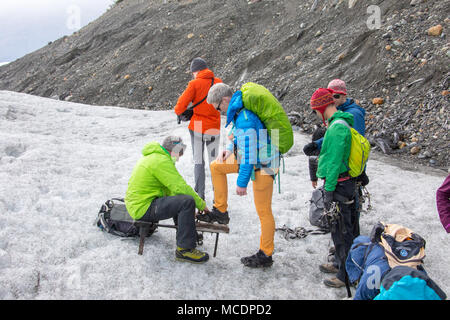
{"x": 328, "y": 268}
{"x": 191, "y": 255}
{"x": 334, "y": 283}
{"x": 214, "y": 216}
{"x": 258, "y": 260}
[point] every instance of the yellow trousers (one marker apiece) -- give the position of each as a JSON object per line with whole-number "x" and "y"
{"x": 262, "y": 192}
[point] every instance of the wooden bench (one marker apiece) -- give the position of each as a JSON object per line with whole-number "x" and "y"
{"x": 145, "y": 227}
{"x": 119, "y": 213}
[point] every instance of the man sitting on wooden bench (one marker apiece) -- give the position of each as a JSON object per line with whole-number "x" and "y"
{"x": 156, "y": 191}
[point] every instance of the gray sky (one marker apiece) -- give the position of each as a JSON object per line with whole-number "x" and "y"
{"x": 27, "y": 25}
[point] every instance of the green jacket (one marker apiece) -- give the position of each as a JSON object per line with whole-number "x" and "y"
{"x": 333, "y": 158}
{"x": 155, "y": 176}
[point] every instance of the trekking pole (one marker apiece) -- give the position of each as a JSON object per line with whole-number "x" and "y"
{"x": 347, "y": 283}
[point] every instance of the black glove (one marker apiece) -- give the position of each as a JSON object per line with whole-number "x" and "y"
{"x": 310, "y": 148}
{"x": 328, "y": 199}
{"x": 363, "y": 178}
{"x": 377, "y": 230}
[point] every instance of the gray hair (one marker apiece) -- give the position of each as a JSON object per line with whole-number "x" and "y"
{"x": 217, "y": 92}
{"x": 174, "y": 144}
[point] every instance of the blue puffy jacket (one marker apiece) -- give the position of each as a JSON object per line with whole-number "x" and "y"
{"x": 251, "y": 139}
{"x": 359, "y": 123}
{"x": 367, "y": 263}
{"x": 405, "y": 283}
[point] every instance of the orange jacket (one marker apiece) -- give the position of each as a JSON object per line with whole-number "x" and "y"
{"x": 196, "y": 90}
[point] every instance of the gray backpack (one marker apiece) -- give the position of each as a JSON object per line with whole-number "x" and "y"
{"x": 316, "y": 210}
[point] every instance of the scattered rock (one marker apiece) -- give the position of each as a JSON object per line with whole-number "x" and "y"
{"x": 377, "y": 101}
{"x": 401, "y": 144}
{"x": 351, "y": 3}
{"x": 383, "y": 144}
{"x": 435, "y": 31}
{"x": 415, "y": 150}
{"x": 424, "y": 155}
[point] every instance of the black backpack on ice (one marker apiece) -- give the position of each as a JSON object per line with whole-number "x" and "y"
{"x": 114, "y": 218}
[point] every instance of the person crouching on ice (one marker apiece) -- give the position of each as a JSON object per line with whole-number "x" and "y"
{"x": 156, "y": 191}
{"x": 247, "y": 142}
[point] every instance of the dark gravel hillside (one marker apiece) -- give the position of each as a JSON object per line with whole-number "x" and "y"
{"x": 137, "y": 55}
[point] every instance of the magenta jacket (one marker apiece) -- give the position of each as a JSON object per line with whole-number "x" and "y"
{"x": 443, "y": 203}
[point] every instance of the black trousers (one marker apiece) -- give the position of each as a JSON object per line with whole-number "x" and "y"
{"x": 343, "y": 230}
{"x": 182, "y": 209}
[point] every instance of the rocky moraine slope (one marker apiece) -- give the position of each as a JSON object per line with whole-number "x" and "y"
{"x": 393, "y": 54}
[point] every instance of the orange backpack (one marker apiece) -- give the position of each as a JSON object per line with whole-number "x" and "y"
{"x": 402, "y": 246}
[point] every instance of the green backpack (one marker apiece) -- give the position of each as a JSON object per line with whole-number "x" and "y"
{"x": 359, "y": 151}
{"x": 269, "y": 110}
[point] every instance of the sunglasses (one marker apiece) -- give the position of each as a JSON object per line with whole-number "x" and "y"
{"x": 180, "y": 146}
{"x": 336, "y": 96}
{"x": 218, "y": 106}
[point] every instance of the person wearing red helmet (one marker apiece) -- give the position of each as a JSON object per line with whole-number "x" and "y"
{"x": 339, "y": 187}
{"x": 339, "y": 94}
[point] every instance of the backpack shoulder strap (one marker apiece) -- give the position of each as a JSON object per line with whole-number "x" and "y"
{"x": 201, "y": 101}
{"x": 341, "y": 122}
{"x": 237, "y": 114}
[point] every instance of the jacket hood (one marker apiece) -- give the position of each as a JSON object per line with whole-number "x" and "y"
{"x": 351, "y": 104}
{"x": 348, "y": 117}
{"x": 153, "y": 147}
{"x": 405, "y": 283}
{"x": 235, "y": 105}
{"x": 205, "y": 74}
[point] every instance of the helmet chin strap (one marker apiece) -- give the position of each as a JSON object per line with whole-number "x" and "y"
{"x": 324, "y": 122}
{"x": 323, "y": 119}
